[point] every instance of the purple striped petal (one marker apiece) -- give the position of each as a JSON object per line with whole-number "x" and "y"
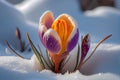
{"x": 73, "y": 41}
{"x": 47, "y": 19}
{"x": 52, "y": 41}
{"x": 42, "y": 29}
{"x": 85, "y": 46}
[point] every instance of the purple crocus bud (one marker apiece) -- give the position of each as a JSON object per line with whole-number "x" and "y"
{"x": 18, "y": 34}
{"x": 85, "y": 46}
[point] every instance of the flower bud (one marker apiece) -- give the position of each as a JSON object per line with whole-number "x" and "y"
{"x": 18, "y": 34}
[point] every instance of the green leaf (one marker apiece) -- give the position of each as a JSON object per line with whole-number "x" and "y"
{"x": 49, "y": 60}
{"x": 44, "y": 60}
{"x": 9, "y": 46}
{"x": 66, "y": 61}
{"x": 48, "y": 64}
{"x": 39, "y": 57}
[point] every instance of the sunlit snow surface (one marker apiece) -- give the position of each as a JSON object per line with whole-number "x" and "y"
{"x": 102, "y": 21}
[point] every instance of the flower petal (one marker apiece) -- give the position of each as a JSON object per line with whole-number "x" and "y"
{"x": 69, "y": 21}
{"x": 47, "y": 19}
{"x": 73, "y": 40}
{"x": 52, "y": 41}
{"x": 71, "y": 32}
{"x": 42, "y": 29}
{"x": 85, "y": 46}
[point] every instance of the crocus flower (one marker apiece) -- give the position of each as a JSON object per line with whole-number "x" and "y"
{"x": 85, "y": 46}
{"x": 59, "y": 36}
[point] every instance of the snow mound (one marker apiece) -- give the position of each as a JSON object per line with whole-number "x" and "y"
{"x": 100, "y": 22}
{"x": 10, "y": 18}
{"x": 45, "y": 75}
{"x": 35, "y": 8}
{"x": 103, "y": 11}
{"x": 104, "y": 65}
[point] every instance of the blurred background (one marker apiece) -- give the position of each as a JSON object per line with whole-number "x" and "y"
{"x": 85, "y": 4}
{"x": 97, "y": 17}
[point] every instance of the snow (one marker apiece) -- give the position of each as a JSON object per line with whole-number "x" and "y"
{"x": 103, "y": 60}
{"x": 102, "y": 21}
{"x": 117, "y": 2}
{"x": 10, "y": 18}
{"x": 15, "y": 67}
{"x": 41, "y": 6}
{"x": 98, "y": 19}
{"x": 107, "y": 23}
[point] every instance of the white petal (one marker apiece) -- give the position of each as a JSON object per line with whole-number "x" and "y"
{"x": 47, "y": 19}
{"x": 42, "y": 28}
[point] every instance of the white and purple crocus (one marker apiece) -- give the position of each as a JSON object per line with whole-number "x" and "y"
{"x": 59, "y": 36}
